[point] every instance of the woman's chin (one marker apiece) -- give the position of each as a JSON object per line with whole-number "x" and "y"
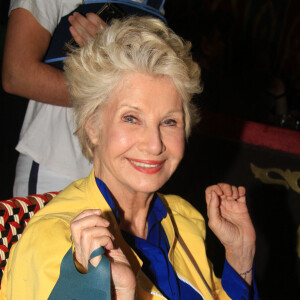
{"x": 149, "y": 187}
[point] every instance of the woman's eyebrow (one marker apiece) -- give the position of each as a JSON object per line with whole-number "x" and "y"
{"x": 135, "y": 107}
{"x": 171, "y": 112}
{"x": 174, "y": 112}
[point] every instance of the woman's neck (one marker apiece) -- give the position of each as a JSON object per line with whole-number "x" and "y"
{"x": 133, "y": 206}
{"x": 133, "y": 212}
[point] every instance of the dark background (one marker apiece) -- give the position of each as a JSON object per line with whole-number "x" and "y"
{"x": 246, "y": 49}
{"x": 243, "y": 47}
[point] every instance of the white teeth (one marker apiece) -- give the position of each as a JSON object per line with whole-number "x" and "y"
{"x": 143, "y": 165}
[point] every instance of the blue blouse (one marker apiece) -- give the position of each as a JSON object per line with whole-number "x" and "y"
{"x": 154, "y": 253}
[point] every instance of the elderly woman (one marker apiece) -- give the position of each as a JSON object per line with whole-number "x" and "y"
{"x": 132, "y": 88}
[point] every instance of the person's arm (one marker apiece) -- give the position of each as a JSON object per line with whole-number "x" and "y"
{"x": 230, "y": 221}
{"x": 23, "y": 71}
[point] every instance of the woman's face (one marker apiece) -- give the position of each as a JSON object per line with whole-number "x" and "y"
{"x": 141, "y": 138}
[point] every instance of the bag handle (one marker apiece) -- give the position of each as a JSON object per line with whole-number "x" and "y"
{"x": 102, "y": 264}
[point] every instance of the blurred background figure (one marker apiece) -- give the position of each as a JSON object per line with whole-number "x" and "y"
{"x": 48, "y": 120}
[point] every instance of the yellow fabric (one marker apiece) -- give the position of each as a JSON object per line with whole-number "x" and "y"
{"x": 34, "y": 262}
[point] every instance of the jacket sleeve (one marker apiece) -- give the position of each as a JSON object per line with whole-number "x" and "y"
{"x": 235, "y": 286}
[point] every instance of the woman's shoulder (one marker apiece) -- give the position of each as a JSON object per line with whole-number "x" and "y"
{"x": 50, "y": 227}
{"x": 69, "y": 202}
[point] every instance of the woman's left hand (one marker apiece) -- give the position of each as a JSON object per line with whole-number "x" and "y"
{"x": 229, "y": 219}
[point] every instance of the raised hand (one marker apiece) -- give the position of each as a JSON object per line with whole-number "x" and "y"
{"x": 89, "y": 232}
{"x": 230, "y": 221}
{"x": 85, "y": 27}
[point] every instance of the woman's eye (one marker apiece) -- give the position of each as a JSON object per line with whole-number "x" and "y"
{"x": 130, "y": 119}
{"x": 169, "y": 122}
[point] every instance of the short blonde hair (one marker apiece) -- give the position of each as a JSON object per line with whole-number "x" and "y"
{"x": 140, "y": 44}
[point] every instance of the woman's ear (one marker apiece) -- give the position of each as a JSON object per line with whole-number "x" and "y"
{"x": 92, "y": 128}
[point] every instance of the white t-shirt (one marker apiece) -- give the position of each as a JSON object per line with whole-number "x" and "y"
{"x": 47, "y": 131}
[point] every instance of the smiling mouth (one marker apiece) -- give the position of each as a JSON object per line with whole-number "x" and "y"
{"x": 144, "y": 165}
{"x": 149, "y": 167}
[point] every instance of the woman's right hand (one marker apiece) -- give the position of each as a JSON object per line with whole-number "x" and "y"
{"x": 89, "y": 232}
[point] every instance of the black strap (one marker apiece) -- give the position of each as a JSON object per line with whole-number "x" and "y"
{"x": 33, "y": 178}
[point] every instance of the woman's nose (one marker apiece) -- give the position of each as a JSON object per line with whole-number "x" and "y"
{"x": 152, "y": 141}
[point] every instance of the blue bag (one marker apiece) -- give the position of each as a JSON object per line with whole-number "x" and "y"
{"x": 73, "y": 285}
{"x": 61, "y": 36}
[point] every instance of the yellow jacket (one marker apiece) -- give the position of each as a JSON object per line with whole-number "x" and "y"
{"x": 34, "y": 263}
